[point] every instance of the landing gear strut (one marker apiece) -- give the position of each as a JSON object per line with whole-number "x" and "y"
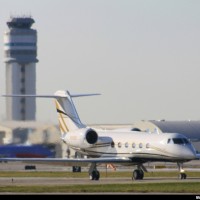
{"x": 182, "y": 174}
{"x": 93, "y": 172}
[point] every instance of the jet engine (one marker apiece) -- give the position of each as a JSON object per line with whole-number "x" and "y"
{"x": 82, "y": 138}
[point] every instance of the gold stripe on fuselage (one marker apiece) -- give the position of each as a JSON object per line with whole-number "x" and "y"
{"x": 65, "y": 128}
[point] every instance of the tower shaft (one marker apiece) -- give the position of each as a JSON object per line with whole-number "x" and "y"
{"x": 20, "y": 48}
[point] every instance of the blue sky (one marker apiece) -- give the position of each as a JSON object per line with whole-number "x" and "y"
{"x": 142, "y": 55}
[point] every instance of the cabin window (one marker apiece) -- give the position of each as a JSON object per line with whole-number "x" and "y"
{"x": 133, "y": 145}
{"x": 126, "y": 144}
{"x": 168, "y": 141}
{"x": 140, "y": 145}
{"x": 147, "y": 145}
{"x": 119, "y": 144}
{"x": 112, "y": 144}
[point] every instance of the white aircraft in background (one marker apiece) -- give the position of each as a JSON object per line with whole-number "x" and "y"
{"x": 112, "y": 146}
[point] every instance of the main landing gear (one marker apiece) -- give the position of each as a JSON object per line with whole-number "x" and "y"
{"x": 93, "y": 172}
{"x": 138, "y": 174}
{"x": 182, "y": 174}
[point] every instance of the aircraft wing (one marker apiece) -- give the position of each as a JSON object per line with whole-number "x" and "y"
{"x": 71, "y": 161}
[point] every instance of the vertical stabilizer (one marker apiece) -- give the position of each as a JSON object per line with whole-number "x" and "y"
{"x": 67, "y": 115}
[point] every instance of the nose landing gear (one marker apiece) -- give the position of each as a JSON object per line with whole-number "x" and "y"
{"x": 182, "y": 174}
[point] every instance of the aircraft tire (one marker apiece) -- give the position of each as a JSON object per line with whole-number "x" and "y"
{"x": 136, "y": 175}
{"x": 141, "y": 174}
{"x": 95, "y": 175}
{"x": 182, "y": 176}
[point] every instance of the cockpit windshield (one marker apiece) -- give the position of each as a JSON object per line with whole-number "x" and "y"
{"x": 185, "y": 141}
{"x": 180, "y": 141}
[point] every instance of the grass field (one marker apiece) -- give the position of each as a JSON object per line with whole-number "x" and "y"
{"x": 122, "y": 188}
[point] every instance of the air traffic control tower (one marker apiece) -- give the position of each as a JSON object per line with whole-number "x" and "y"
{"x": 20, "y": 48}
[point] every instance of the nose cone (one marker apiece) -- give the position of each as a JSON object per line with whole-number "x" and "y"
{"x": 190, "y": 153}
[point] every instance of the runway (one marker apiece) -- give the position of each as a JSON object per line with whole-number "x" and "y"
{"x": 19, "y": 166}
{"x": 30, "y": 181}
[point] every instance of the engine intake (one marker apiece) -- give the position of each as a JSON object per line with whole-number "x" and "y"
{"x": 91, "y": 136}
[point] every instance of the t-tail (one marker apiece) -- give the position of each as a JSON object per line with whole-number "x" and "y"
{"x": 67, "y": 115}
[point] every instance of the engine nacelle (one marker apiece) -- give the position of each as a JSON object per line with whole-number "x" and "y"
{"x": 91, "y": 136}
{"x": 82, "y": 138}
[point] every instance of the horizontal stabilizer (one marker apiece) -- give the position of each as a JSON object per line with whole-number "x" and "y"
{"x": 58, "y": 94}
{"x": 31, "y": 95}
{"x": 84, "y": 95}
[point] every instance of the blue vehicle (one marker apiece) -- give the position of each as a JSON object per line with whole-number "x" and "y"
{"x": 24, "y": 151}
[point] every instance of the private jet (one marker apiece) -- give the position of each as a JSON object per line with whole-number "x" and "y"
{"x": 130, "y": 148}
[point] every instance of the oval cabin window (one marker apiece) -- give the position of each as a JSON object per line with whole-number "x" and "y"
{"x": 119, "y": 144}
{"x": 112, "y": 144}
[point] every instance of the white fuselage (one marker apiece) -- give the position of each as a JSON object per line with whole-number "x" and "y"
{"x": 140, "y": 146}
